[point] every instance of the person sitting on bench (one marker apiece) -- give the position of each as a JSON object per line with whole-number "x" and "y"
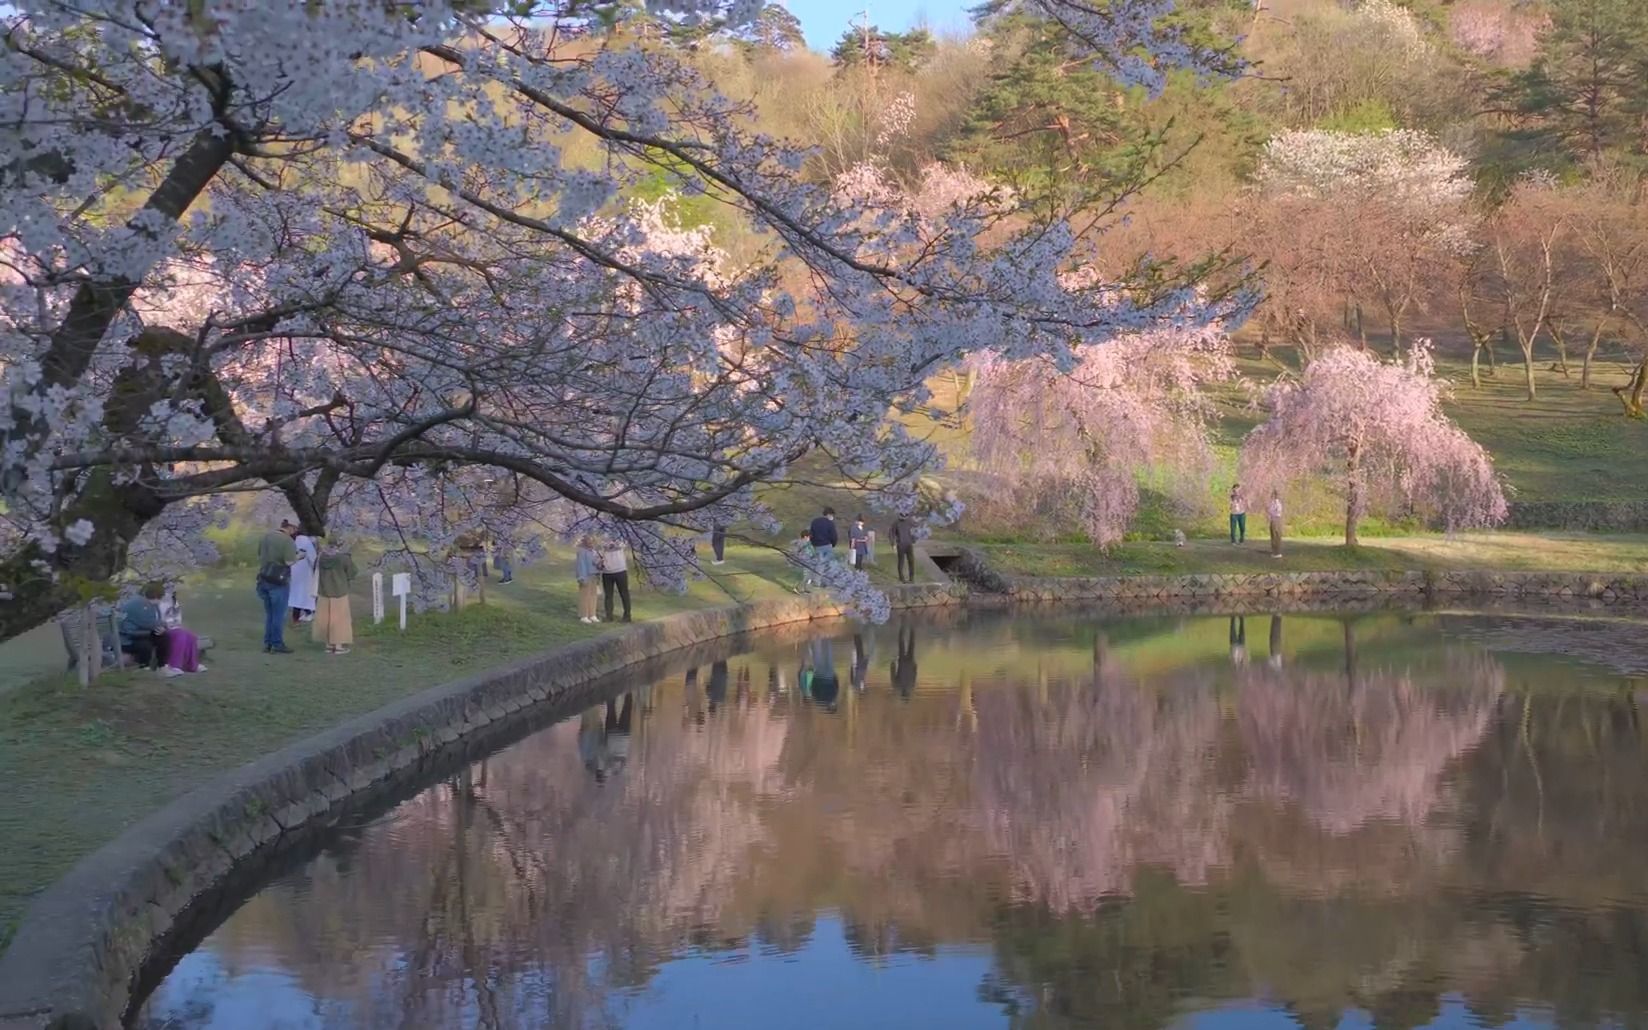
{"x": 142, "y": 629}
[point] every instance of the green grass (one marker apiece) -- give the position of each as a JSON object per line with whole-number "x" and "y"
{"x": 1575, "y": 552}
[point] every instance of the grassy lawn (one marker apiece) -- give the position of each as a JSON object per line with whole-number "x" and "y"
{"x": 1501, "y": 551}
{"x": 82, "y": 765}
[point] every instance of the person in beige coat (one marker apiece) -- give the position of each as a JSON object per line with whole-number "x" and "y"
{"x": 334, "y": 623}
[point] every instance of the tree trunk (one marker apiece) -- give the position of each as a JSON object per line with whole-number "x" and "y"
{"x": 1560, "y": 340}
{"x": 1630, "y": 395}
{"x": 1590, "y": 356}
{"x": 96, "y": 303}
{"x": 1361, "y": 329}
{"x": 1353, "y": 495}
{"x": 119, "y": 513}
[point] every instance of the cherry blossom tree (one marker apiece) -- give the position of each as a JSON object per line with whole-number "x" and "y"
{"x": 1502, "y": 33}
{"x": 1376, "y": 428}
{"x": 1370, "y": 216}
{"x": 383, "y": 259}
{"x": 1069, "y": 445}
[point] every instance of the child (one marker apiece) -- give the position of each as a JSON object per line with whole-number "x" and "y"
{"x": 804, "y": 544}
{"x": 858, "y": 538}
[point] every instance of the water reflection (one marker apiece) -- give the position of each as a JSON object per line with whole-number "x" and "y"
{"x": 1054, "y": 822}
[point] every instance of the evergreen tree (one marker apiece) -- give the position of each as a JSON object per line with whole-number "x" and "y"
{"x": 775, "y": 28}
{"x": 1586, "y": 94}
{"x": 1050, "y": 124}
{"x": 874, "y": 48}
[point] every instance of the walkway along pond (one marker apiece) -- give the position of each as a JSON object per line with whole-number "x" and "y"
{"x": 85, "y": 944}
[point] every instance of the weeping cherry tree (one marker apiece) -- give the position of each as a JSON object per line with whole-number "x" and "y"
{"x": 1377, "y": 430}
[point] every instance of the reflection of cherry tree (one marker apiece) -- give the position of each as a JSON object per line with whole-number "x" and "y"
{"x": 1081, "y": 786}
{"x": 493, "y": 893}
{"x": 526, "y": 893}
{"x": 1373, "y": 749}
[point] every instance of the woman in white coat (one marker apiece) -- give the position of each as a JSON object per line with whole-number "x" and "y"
{"x": 302, "y": 600}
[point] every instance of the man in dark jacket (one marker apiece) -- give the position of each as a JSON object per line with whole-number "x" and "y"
{"x": 821, "y": 534}
{"x": 904, "y": 542}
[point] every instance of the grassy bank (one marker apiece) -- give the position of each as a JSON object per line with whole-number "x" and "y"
{"x": 1562, "y": 552}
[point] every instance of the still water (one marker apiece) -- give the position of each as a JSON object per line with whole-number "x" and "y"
{"x": 1008, "y": 821}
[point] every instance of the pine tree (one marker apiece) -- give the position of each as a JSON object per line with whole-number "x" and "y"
{"x": 1586, "y": 94}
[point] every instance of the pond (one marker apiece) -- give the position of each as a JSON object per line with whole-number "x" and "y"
{"x": 994, "y": 820}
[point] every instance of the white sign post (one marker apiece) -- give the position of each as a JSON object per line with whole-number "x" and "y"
{"x": 400, "y": 586}
{"x": 377, "y": 598}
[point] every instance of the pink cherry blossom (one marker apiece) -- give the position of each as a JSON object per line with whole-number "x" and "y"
{"x": 1378, "y": 431}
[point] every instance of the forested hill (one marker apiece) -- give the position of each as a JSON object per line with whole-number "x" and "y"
{"x": 1470, "y": 170}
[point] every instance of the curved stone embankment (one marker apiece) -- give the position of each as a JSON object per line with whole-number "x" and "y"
{"x": 77, "y": 957}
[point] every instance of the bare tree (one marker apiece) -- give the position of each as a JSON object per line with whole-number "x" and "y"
{"x": 1522, "y": 240}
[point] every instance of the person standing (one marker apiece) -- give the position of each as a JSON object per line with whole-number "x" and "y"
{"x": 822, "y": 538}
{"x": 718, "y": 544}
{"x": 586, "y": 570}
{"x": 276, "y": 555}
{"x": 822, "y": 535}
{"x": 503, "y": 558}
{"x": 334, "y": 623}
{"x": 858, "y": 538}
{"x": 1274, "y": 513}
{"x": 1238, "y": 515}
{"x": 903, "y": 535}
{"x": 301, "y": 598}
{"x": 615, "y": 576}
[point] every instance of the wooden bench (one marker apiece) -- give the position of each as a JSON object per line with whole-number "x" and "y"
{"x": 85, "y": 633}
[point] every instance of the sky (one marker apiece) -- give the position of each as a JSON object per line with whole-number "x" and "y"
{"x": 824, "y": 20}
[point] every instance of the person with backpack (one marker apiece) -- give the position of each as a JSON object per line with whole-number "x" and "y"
{"x": 276, "y": 556}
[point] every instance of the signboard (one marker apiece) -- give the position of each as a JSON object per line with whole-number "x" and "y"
{"x": 377, "y": 598}
{"x": 400, "y": 586}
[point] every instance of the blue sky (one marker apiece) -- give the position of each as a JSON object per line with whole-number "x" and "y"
{"x": 825, "y": 20}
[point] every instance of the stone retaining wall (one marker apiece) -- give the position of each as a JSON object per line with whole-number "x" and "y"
{"x": 1317, "y": 586}
{"x": 78, "y": 955}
